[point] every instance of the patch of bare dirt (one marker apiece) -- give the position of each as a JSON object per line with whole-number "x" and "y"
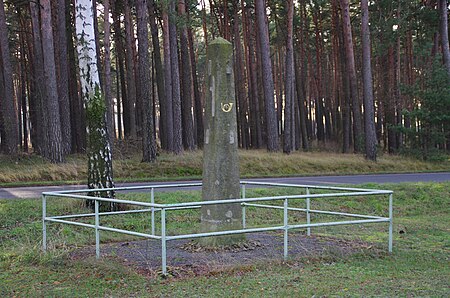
{"x": 187, "y": 258}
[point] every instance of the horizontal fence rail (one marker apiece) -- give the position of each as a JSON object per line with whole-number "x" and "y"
{"x": 245, "y": 202}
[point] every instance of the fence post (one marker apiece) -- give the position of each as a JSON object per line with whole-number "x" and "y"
{"x": 390, "y": 222}
{"x": 152, "y": 200}
{"x": 308, "y": 214}
{"x": 44, "y": 224}
{"x": 285, "y": 228}
{"x": 243, "y": 207}
{"x": 163, "y": 241}
{"x": 97, "y": 232}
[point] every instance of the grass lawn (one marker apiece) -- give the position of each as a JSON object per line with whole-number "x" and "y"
{"x": 419, "y": 265}
{"x": 29, "y": 170}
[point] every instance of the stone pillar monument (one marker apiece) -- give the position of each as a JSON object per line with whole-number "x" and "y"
{"x": 220, "y": 153}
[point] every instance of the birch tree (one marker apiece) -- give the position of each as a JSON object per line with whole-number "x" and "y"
{"x": 100, "y": 174}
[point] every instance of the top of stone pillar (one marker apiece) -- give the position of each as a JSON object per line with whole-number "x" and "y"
{"x": 219, "y": 40}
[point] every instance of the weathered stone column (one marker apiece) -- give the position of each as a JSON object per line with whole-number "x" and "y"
{"x": 220, "y": 153}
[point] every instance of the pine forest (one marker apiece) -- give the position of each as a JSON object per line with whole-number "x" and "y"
{"x": 84, "y": 76}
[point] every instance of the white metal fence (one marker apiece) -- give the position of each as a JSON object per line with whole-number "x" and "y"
{"x": 151, "y": 207}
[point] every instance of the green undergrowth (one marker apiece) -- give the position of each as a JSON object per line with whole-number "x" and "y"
{"x": 418, "y": 266}
{"x": 33, "y": 170}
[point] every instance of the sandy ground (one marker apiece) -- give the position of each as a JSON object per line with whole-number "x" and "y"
{"x": 185, "y": 257}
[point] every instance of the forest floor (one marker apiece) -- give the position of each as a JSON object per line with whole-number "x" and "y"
{"x": 341, "y": 260}
{"x": 29, "y": 170}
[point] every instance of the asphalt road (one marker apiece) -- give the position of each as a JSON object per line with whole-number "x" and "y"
{"x": 35, "y": 191}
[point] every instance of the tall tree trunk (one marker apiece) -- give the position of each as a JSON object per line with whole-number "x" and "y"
{"x": 350, "y": 57}
{"x": 107, "y": 81}
{"x": 197, "y": 96}
{"x": 390, "y": 103}
{"x": 31, "y": 86}
{"x": 301, "y": 77}
{"x": 100, "y": 173}
{"x": 63, "y": 76}
{"x": 38, "y": 78}
{"x": 159, "y": 74}
{"x": 188, "y": 121}
{"x": 254, "y": 114}
{"x": 78, "y": 120}
{"x": 318, "y": 81}
{"x": 148, "y": 138}
{"x": 131, "y": 76}
{"x": 176, "y": 96}
{"x": 289, "y": 80}
{"x": 10, "y": 137}
{"x": 346, "y": 117}
{"x": 337, "y": 78}
{"x": 55, "y": 152}
{"x": 443, "y": 26}
{"x": 120, "y": 65}
{"x": 369, "y": 113}
{"x": 97, "y": 43}
{"x": 301, "y": 95}
{"x": 167, "y": 78}
{"x": 271, "y": 117}
{"x": 205, "y": 30}
{"x": 240, "y": 80}
{"x": 23, "y": 82}
{"x": 119, "y": 103}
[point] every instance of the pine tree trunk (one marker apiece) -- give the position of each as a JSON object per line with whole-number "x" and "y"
{"x": 240, "y": 81}
{"x": 130, "y": 75}
{"x": 55, "y": 151}
{"x": 350, "y": 57}
{"x": 100, "y": 173}
{"x": 63, "y": 76}
{"x": 318, "y": 81}
{"x": 159, "y": 74}
{"x": 337, "y": 78}
{"x": 120, "y": 65}
{"x": 188, "y": 121}
{"x": 38, "y": 78}
{"x": 369, "y": 113}
{"x": 31, "y": 87}
{"x": 301, "y": 70}
{"x": 23, "y": 82}
{"x": 301, "y": 95}
{"x": 107, "y": 81}
{"x": 271, "y": 117}
{"x": 289, "y": 80}
{"x": 346, "y": 117}
{"x": 253, "y": 84}
{"x": 390, "y": 103}
{"x": 167, "y": 78}
{"x": 77, "y": 118}
{"x": 10, "y": 137}
{"x": 148, "y": 139}
{"x": 197, "y": 96}
{"x": 443, "y": 26}
{"x": 176, "y": 96}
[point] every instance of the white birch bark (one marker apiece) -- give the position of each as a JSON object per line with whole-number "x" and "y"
{"x": 99, "y": 149}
